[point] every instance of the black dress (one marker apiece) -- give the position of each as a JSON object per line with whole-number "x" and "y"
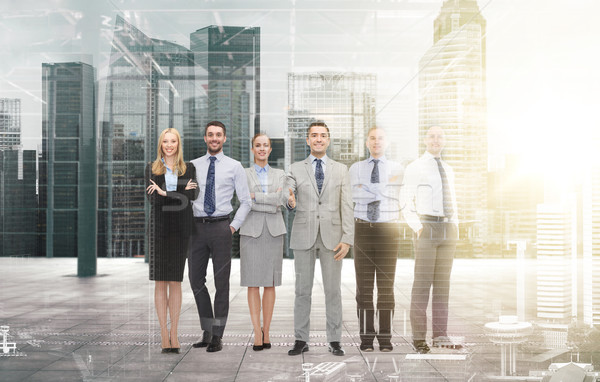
{"x": 170, "y": 226}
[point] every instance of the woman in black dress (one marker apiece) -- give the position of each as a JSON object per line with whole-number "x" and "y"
{"x": 171, "y": 186}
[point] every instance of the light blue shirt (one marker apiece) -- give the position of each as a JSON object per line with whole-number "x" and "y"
{"x": 263, "y": 176}
{"x": 170, "y": 178}
{"x": 387, "y": 191}
{"x": 314, "y": 163}
{"x": 230, "y": 176}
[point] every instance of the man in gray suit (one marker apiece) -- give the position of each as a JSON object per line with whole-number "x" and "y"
{"x": 319, "y": 189}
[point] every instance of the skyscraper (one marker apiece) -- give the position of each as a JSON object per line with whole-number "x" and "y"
{"x": 10, "y": 122}
{"x": 231, "y": 57}
{"x": 345, "y": 101}
{"x": 144, "y": 92}
{"x": 68, "y": 181}
{"x": 18, "y": 203}
{"x": 555, "y": 259}
{"x": 591, "y": 246}
{"x": 452, "y": 95}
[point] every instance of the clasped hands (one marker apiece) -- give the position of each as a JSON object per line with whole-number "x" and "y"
{"x": 191, "y": 185}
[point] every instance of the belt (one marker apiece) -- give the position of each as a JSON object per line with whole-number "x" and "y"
{"x": 361, "y": 221}
{"x": 431, "y": 218}
{"x": 210, "y": 219}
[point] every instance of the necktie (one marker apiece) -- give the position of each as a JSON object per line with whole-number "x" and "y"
{"x": 209, "y": 191}
{"x": 448, "y": 209}
{"x": 373, "y": 207}
{"x": 319, "y": 174}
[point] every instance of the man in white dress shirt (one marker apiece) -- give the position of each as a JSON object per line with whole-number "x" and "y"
{"x": 219, "y": 176}
{"x": 375, "y": 191}
{"x": 428, "y": 202}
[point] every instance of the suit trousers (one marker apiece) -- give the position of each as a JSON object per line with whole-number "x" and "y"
{"x": 331, "y": 272}
{"x": 375, "y": 254}
{"x": 211, "y": 239}
{"x": 434, "y": 254}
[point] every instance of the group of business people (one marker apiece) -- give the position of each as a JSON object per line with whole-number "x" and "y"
{"x": 336, "y": 209}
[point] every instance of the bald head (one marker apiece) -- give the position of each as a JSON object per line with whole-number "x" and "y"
{"x": 434, "y": 140}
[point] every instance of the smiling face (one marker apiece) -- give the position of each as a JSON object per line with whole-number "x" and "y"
{"x": 377, "y": 142}
{"x": 261, "y": 148}
{"x": 318, "y": 141}
{"x": 170, "y": 146}
{"x": 435, "y": 141}
{"x": 214, "y": 138}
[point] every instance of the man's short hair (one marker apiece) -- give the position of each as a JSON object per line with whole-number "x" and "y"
{"x": 215, "y": 123}
{"x": 375, "y": 128}
{"x": 317, "y": 123}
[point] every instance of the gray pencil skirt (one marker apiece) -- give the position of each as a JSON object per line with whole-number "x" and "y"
{"x": 261, "y": 260}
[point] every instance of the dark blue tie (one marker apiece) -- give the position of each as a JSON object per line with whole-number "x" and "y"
{"x": 373, "y": 207}
{"x": 448, "y": 209}
{"x": 209, "y": 191}
{"x": 319, "y": 174}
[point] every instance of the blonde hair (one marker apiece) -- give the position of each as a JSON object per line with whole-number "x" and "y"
{"x": 158, "y": 168}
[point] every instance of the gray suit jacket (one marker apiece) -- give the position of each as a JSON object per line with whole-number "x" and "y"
{"x": 266, "y": 207}
{"x": 331, "y": 212}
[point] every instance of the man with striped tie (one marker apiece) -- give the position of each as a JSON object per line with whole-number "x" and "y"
{"x": 428, "y": 202}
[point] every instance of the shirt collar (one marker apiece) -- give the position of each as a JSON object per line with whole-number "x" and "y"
{"x": 261, "y": 169}
{"x": 219, "y": 156}
{"x": 428, "y": 155}
{"x": 312, "y": 158}
{"x": 382, "y": 159}
{"x": 164, "y": 164}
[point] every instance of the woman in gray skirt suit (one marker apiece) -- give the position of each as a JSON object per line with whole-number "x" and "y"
{"x": 261, "y": 239}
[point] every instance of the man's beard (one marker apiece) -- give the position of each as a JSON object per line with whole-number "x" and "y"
{"x": 212, "y": 152}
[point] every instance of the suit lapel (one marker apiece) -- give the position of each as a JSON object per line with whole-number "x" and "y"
{"x": 311, "y": 174}
{"x": 328, "y": 173}
{"x": 255, "y": 180}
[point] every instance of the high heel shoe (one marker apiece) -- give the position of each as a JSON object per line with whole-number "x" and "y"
{"x": 266, "y": 345}
{"x": 259, "y": 347}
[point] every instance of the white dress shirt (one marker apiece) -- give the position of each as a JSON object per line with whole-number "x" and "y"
{"x": 422, "y": 193}
{"x": 230, "y": 176}
{"x": 386, "y": 191}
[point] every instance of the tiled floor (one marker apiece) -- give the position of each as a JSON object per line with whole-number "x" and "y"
{"x": 104, "y": 328}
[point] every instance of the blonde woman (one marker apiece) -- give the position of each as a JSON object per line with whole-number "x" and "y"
{"x": 171, "y": 185}
{"x": 261, "y": 239}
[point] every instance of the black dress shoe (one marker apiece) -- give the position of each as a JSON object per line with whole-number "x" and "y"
{"x": 421, "y": 347}
{"x": 215, "y": 345}
{"x": 336, "y": 349}
{"x": 165, "y": 350}
{"x": 299, "y": 348}
{"x": 366, "y": 346}
{"x": 175, "y": 350}
{"x": 386, "y": 347}
{"x": 206, "y": 336}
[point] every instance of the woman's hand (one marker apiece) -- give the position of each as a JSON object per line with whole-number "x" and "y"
{"x": 153, "y": 187}
{"x": 191, "y": 185}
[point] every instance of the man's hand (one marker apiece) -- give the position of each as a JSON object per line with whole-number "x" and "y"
{"x": 292, "y": 199}
{"x": 343, "y": 251}
{"x": 232, "y": 229}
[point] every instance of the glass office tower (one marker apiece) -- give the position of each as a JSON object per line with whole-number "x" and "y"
{"x": 68, "y": 178}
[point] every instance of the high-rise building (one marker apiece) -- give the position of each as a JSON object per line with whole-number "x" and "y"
{"x": 68, "y": 166}
{"x": 10, "y": 122}
{"x": 145, "y": 90}
{"x": 556, "y": 255}
{"x": 591, "y": 246}
{"x": 231, "y": 58}
{"x": 18, "y": 203}
{"x": 344, "y": 101}
{"x": 452, "y": 95}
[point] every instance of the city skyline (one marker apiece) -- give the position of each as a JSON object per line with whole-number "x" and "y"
{"x": 519, "y": 49}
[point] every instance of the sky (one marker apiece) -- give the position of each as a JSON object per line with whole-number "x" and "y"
{"x": 543, "y": 86}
